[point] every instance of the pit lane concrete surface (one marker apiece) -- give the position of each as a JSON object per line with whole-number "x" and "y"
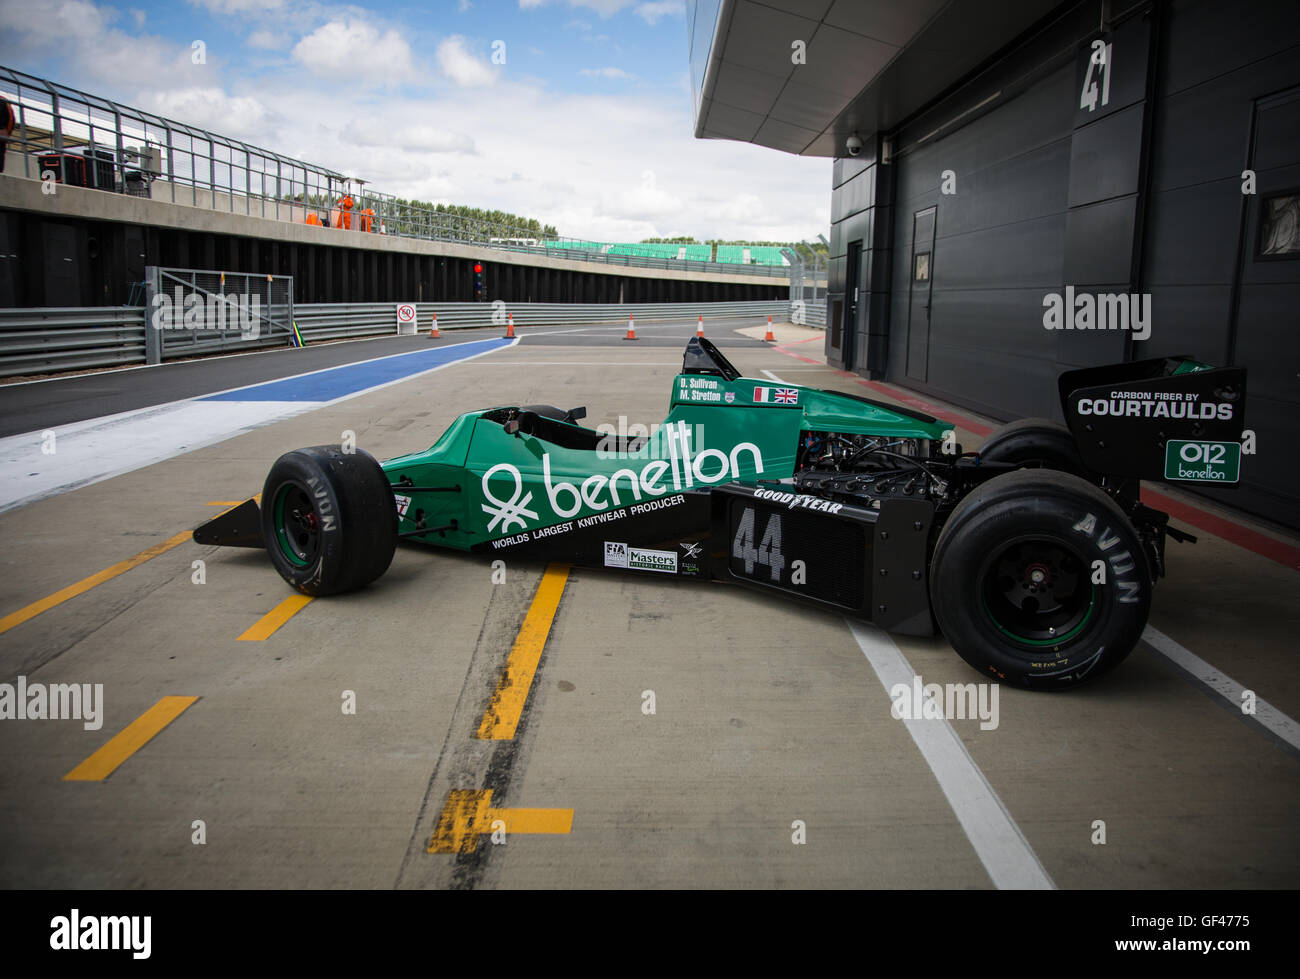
{"x": 666, "y": 733}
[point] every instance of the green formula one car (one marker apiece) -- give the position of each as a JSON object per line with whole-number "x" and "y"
{"x": 1034, "y": 556}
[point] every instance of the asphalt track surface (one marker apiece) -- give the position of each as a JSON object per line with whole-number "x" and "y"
{"x": 660, "y": 733}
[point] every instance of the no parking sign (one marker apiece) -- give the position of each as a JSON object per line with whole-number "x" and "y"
{"x": 405, "y": 317}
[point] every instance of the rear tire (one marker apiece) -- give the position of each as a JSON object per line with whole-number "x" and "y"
{"x": 1035, "y": 443}
{"x": 329, "y": 519}
{"x": 1013, "y": 581}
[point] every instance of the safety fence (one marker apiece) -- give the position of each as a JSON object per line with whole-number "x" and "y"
{"x": 194, "y": 312}
{"x": 50, "y": 340}
{"x": 39, "y": 341}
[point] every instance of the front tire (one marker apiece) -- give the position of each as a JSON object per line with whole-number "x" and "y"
{"x": 1040, "y": 580}
{"x": 329, "y": 519}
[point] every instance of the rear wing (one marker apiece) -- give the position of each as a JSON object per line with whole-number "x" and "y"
{"x": 1169, "y": 418}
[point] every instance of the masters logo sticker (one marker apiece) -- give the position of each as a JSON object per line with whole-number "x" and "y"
{"x": 403, "y": 502}
{"x": 639, "y": 560}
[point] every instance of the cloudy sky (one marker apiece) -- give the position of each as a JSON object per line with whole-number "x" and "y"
{"x": 587, "y": 125}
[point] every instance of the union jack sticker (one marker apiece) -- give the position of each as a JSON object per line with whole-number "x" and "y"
{"x": 776, "y": 396}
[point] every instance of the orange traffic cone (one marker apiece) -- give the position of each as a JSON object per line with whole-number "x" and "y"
{"x": 631, "y": 328}
{"x": 433, "y": 331}
{"x": 699, "y": 330}
{"x": 769, "y": 338}
{"x": 510, "y": 325}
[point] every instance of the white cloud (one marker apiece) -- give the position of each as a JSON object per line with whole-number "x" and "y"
{"x": 372, "y": 131}
{"x": 239, "y": 116}
{"x": 237, "y": 6}
{"x": 460, "y": 65}
{"x": 44, "y": 25}
{"x": 581, "y": 157}
{"x": 604, "y": 8}
{"x": 463, "y": 5}
{"x": 268, "y": 40}
{"x": 652, "y": 11}
{"x": 605, "y": 73}
{"x": 81, "y": 35}
{"x": 354, "y": 50}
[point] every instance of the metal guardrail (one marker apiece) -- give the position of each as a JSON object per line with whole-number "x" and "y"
{"x": 49, "y": 340}
{"x": 814, "y": 314}
{"x": 40, "y": 341}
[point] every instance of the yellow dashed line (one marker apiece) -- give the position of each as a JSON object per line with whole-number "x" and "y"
{"x": 469, "y": 813}
{"x": 507, "y": 704}
{"x": 129, "y": 740}
{"x": 277, "y": 617}
{"x": 85, "y": 584}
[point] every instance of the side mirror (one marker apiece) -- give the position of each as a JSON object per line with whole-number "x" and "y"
{"x": 576, "y": 413}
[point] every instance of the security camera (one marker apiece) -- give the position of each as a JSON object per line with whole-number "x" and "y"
{"x": 853, "y": 144}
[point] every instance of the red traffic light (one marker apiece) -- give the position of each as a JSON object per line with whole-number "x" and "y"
{"x": 478, "y": 269}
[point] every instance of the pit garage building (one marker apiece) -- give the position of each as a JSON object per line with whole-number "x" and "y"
{"x": 1009, "y": 150}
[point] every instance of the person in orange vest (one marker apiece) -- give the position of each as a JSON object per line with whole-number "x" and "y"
{"x": 7, "y": 118}
{"x": 343, "y": 213}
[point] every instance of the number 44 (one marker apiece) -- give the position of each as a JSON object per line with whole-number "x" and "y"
{"x": 1098, "y": 69}
{"x": 768, "y": 552}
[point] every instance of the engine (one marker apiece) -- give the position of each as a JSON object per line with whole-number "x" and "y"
{"x": 864, "y": 469}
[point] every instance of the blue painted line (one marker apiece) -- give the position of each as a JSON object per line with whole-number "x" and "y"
{"x": 338, "y": 382}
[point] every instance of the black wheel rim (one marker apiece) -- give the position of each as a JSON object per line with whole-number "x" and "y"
{"x": 1038, "y": 591}
{"x": 297, "y": 524}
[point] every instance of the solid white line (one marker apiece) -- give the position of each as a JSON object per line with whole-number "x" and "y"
{"x": 1006, "y": 854}
{"x": 1284, "y": 726}
{"x": 773, "y": 377}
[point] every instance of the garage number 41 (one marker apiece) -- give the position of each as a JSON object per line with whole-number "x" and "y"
{"x": 767, "y": 553}
{"x": 1098, "y": 72}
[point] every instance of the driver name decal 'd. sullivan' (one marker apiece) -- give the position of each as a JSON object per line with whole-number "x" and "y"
{"x": 599, "y": 492}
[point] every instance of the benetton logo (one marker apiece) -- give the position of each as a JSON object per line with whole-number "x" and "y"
{"x": 599, "y": 492}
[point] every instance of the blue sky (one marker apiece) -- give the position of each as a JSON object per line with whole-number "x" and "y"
{"x": 586, "y": 125}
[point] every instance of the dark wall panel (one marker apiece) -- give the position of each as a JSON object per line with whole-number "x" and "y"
{"x": 1228, "y": 99}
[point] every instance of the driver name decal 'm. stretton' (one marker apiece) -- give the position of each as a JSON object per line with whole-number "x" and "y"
{"x": 683, "y": 469}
